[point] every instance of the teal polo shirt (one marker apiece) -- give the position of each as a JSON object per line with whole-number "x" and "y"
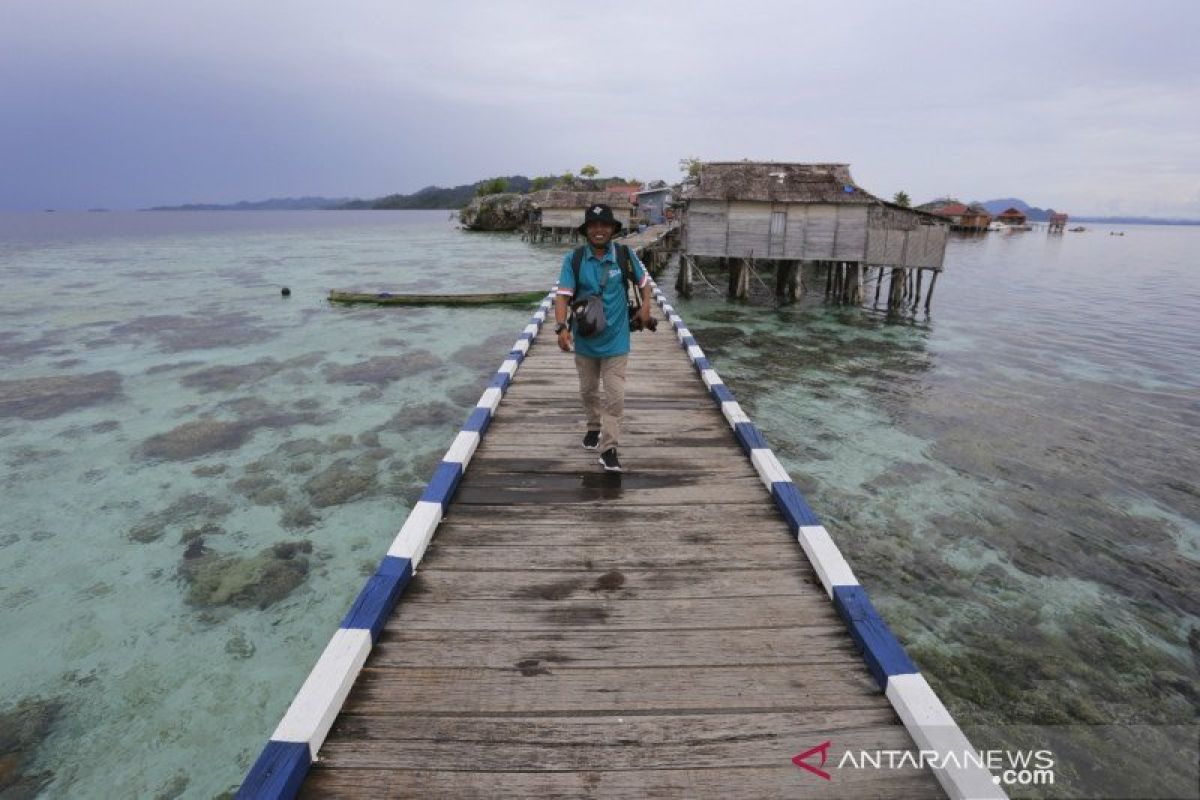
{"x": 614, "y": 340}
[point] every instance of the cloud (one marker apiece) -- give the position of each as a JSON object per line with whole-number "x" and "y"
{"x": 1076, "y": 105}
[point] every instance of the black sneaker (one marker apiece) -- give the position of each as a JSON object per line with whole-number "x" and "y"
{"x": 609, "y": 459}
{"x": 591, "y": 440}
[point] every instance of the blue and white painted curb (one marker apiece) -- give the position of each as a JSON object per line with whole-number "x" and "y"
{"x": 285, "y": 761}
{"x": 927, "y": 720}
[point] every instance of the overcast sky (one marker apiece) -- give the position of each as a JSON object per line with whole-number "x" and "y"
{"x": 1089, "y": 107}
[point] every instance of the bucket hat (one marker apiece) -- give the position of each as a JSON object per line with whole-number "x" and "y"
{"x": 600, "y": 213}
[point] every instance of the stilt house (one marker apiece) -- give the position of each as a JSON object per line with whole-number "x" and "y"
{"x": 801, "y": 215}
{"x": 556, "y": 213}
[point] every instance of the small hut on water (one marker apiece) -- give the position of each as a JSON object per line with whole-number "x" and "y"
{"x": 962, "y": 217}
{"x": 1011, "y": 216}
{"x": 555, "y": 214}
{"x": 810, "y": 221}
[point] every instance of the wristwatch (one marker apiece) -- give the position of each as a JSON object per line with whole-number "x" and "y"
{"x": 560, "y": 327}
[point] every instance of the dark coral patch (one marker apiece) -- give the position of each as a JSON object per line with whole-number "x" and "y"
{"x": 23, "y": 728}
{"x": 341, "y": 482}
{"x": 382, "y": 370}
{"x": 175, "y": 333}
{"x": 197, "y": 438}
{"x": 42, "y": 398}
{"x": 246, "y": 582}
{"x": 190, "y": 509}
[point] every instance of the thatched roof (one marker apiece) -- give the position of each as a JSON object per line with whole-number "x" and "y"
{"x": 778, "y": 183}
{"x": 557, "y": 198}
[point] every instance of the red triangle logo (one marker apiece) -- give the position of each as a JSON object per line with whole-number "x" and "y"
{"x": 823, "y": 749}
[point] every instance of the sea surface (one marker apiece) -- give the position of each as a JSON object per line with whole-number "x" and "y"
{"x": 198, "y": 474}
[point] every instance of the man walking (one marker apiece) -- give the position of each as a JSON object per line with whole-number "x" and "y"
{"x": 601, "y": 357}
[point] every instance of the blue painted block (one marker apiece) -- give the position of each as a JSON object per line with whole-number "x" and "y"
{"x": 478, "y": 421}
{"x": 526, "y": 335}
{"x": 884, "y": 655}
{"x": 516, "y": 355}
{"x": 443, "y": 484}
{"x": 702, "y": 364}
{"x": 377, "y": 599}
{"x": 278, "y": 772}
{"x": 688, "y": 341}
{"x": 749, "y": 436}
{"x": 678, "y": 324}
{"x": 721, "y": 393}
{"x": 500, "y": 381}
{"x": 792, "y": 505}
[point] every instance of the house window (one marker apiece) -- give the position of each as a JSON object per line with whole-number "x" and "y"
{"x": 778, "y": 222}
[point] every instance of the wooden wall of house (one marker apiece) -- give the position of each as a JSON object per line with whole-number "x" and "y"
{"x": 898, "y": 238}
{"x": 749, "y": 226}
{"x": 805, "y": 231}
{"x": 573, "y": 217}
{"x": 707, "y": 228}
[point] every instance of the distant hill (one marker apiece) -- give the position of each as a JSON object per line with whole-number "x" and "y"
{"x": 1035, "y": 214}
{"x": 1032, "y": 213}
{"x": 438, "y": 197}
{"x": 274, "y": 204}
{"x": 1135, "y": 221}
{"x": 431, "y": 197}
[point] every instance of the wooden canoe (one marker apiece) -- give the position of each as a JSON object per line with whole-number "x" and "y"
{"x": 406, "y": 299}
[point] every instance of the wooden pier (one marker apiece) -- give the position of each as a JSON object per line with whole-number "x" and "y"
{"x": 576, "y": 633}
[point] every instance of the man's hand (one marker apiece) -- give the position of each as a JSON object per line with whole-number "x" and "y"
{"x": 564, "y": 340}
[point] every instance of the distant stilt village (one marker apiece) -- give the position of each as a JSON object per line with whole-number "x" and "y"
{"x": 806, "y": 227}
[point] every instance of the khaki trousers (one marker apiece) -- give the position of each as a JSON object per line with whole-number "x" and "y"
{"x": 603, "y": 414}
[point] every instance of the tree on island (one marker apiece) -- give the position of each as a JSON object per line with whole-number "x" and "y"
{"x": 690, "y": 167}
{"x": 589, "y": 171}
{"x": 902, "y": 199}
{"x": 492, "y": 186}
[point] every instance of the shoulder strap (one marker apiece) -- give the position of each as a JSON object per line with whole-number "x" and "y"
{"x": 576, "y": 263}
{"x": 626, "y": 264}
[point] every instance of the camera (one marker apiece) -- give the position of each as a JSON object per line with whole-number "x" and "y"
{"x": 635, "y": 322}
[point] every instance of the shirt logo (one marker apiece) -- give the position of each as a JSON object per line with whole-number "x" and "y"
{"x": 597, "y": 210}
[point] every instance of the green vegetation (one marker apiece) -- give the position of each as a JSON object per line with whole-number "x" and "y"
{"x": 589, "y": 171}
{"x": 492, "y": 186}
{"x": 901, "y": 198}
{"x": 690, "y": 167}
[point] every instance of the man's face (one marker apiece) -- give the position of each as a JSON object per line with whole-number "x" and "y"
{"x": 599, "y": 233}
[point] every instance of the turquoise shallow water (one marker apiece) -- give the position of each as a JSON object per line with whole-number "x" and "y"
{"x": 198, "y": 473}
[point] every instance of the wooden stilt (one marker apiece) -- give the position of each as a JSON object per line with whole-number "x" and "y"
{"x": 917, "y": 293}
{"x": 932, "y": 283}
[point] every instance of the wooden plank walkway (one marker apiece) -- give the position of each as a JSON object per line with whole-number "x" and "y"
{"x": 571, "y": 633}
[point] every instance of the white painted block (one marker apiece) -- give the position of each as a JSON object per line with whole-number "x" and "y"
{"x": 319, "y": 700}
{"x": 733, "y": 413}
{"x": 509, "y": 366}
{"x": 540, "y": 316}
{"x": 522, "y": 345}
{"x": 768, "y": 466}
{"x": 532, "y": 329}
{"x": 710, "y": 377}
{"x": 668, "y": 308}
{"x": 673, "y": 318}
{"x": 682, "y": 332}
{"x": 932, "y": 728}
{"x": 695, "y": 352}
{"x": 827, "y": 560}
{"x": 463, "y": 448}
{"x": 490, "y": 399}
{"x": 418, "y": 530}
